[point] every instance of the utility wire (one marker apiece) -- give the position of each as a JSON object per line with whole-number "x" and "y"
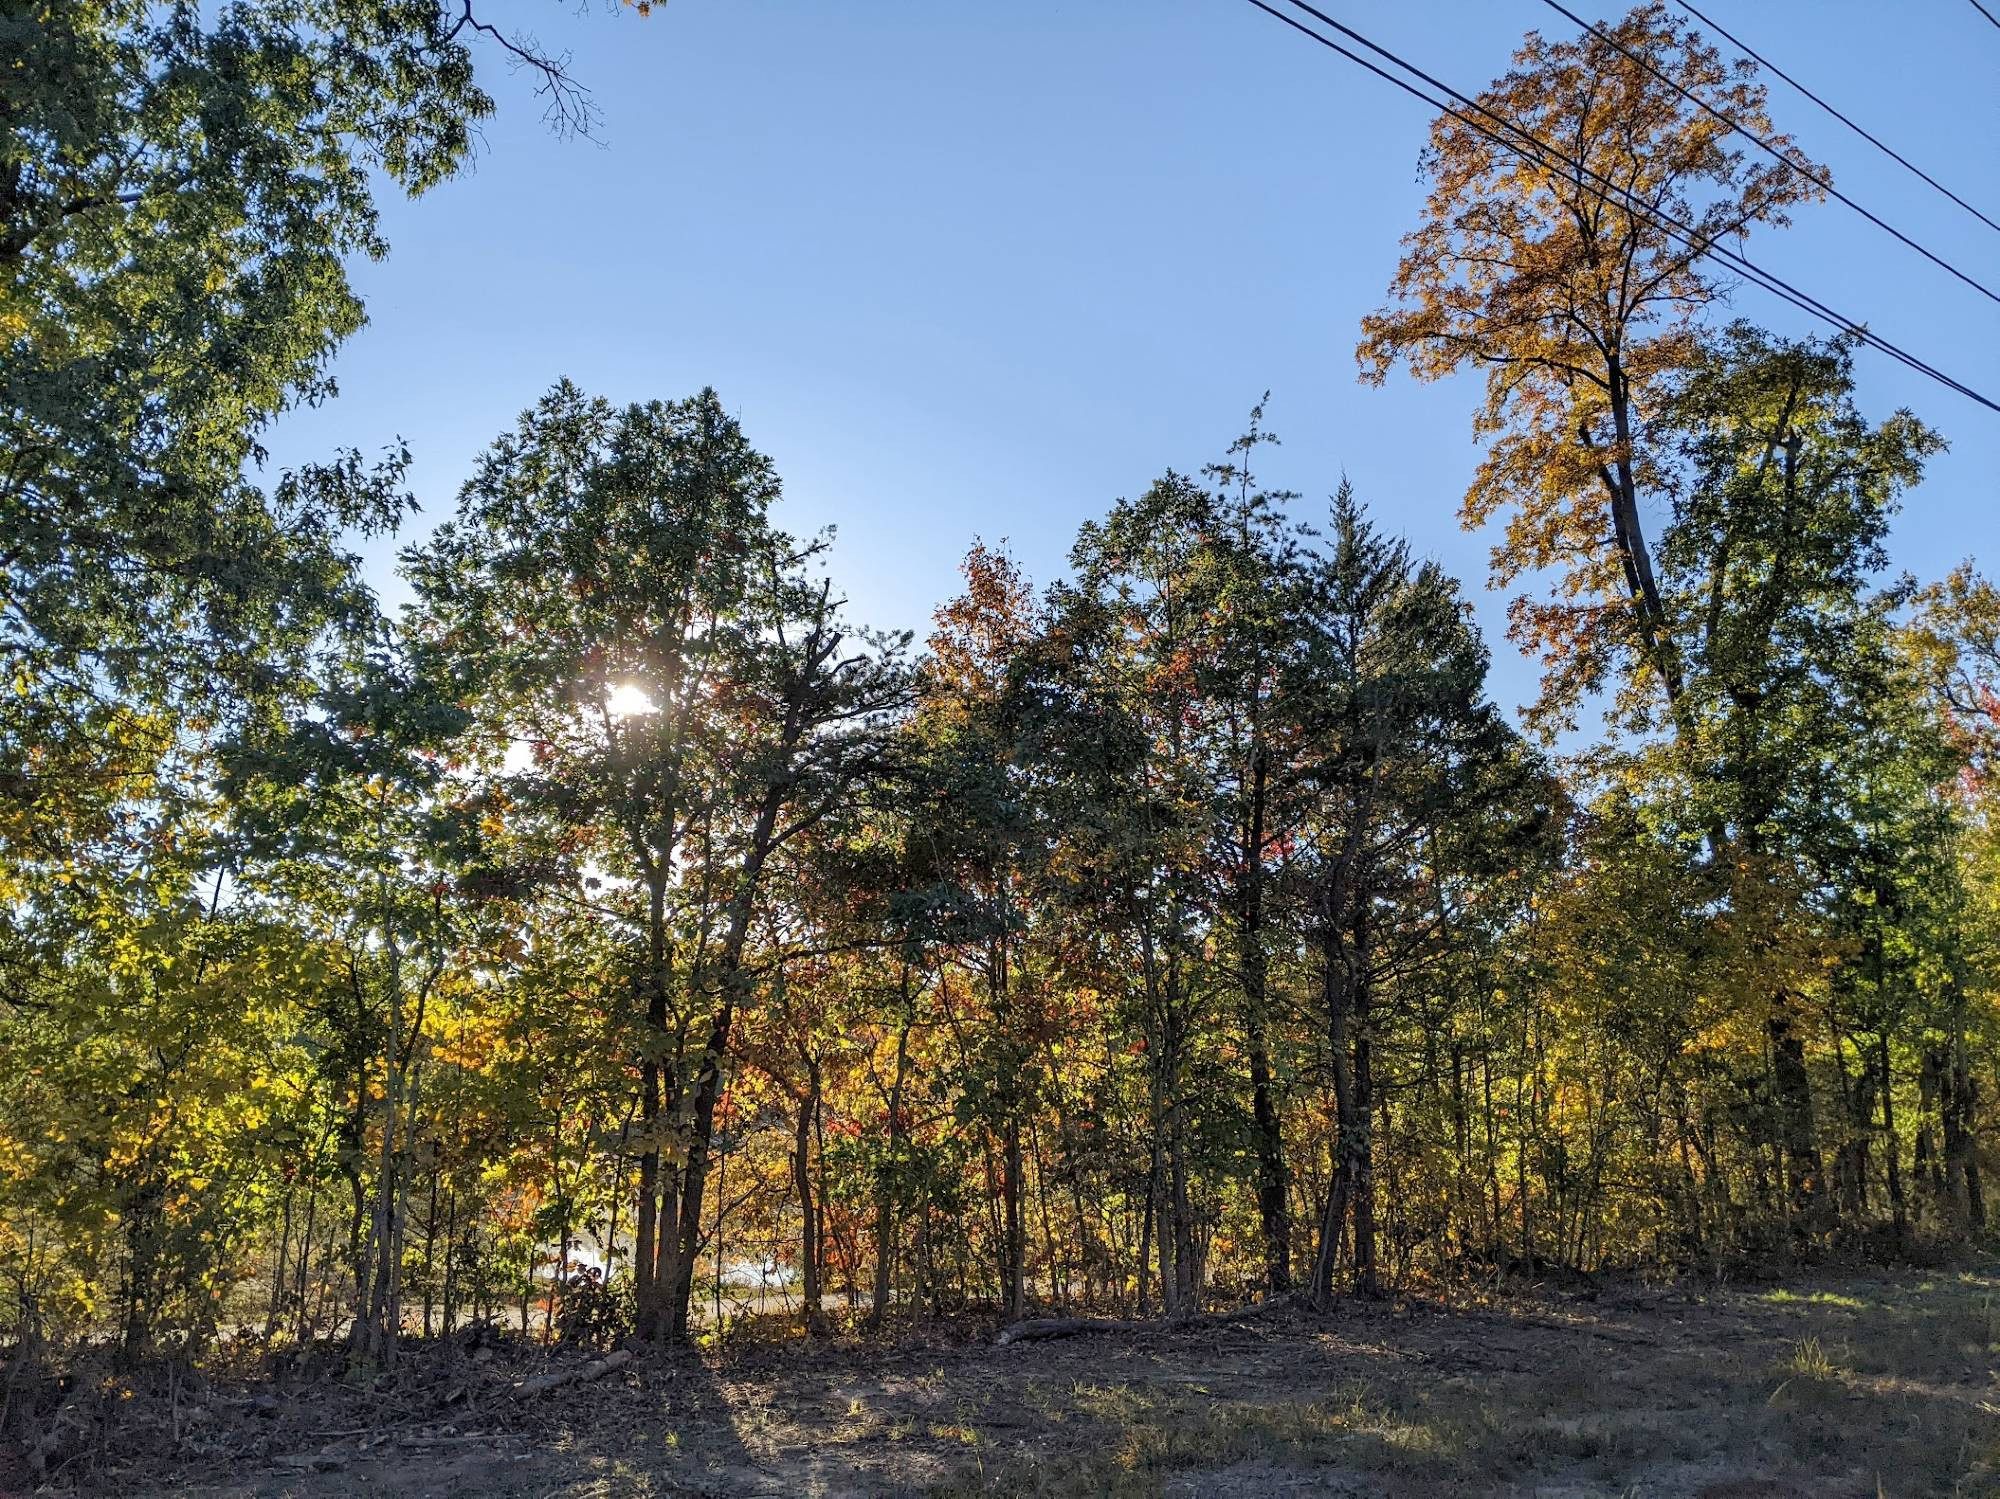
{"x": 1818, "y": 179}
{"x": 1985, "y": 12}
{"x": 1545, "y": 154}
{"x": 1889, "y": 151}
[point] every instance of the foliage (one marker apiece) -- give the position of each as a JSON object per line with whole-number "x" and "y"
{"x": 624, "y": 937}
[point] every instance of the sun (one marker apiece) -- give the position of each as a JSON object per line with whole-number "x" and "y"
{"x": 626, "y": 699}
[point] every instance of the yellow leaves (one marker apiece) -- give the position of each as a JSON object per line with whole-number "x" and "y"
{"x": 1562, "y": 281}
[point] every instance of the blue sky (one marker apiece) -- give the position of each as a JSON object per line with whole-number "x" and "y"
{"x": 977, "y": 270}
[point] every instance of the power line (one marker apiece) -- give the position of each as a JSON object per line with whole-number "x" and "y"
{"x": 1889, "y": 151}
{"x": 1544, "y": 154}
{"x": 1819, "y": 179}
{"x": 1985, "y": 12}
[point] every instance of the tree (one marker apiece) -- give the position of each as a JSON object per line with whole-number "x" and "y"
{"x": 815, "y": 730}
{"x": 180, "y": 193}
{"x": 1559, "y": 274}
{"x": 181, "y": 189}
{"x": 1251, "y": 580}
{"x": 348, "y": 820}
{"x": 600, "y": 573}
{"x": 691, "y": 703}
{"x": 975, "y": 837}
{"x": 1135, "y": 643}
{"x": 1783, "y": 497}
{"x": 1398, "y": 745}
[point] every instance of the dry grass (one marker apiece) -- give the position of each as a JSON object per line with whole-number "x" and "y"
{"x": 1880, "y": 1387}
{"x": 1883, "y": 1386}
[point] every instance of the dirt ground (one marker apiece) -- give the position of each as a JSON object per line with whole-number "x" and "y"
{"x": 1884, "y": 1385}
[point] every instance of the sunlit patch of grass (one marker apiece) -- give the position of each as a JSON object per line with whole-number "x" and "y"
{"x": 1807, "y": 1376}
{"x": 1808, "y": 1360}
{"x": 1152, "y": 1434}
{"x": 1815, "y": 1298}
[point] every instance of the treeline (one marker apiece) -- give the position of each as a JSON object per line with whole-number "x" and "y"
{"x": 621, "y": 928}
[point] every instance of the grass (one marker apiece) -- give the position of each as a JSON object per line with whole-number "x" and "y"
{"x": 1155, "y": 1435}
{"x": 1782, "y": 1297}
{"x": 1808, "y": 1361}
{"x": 1890, "y": 1390}
{"x": 1879, "y": 1386}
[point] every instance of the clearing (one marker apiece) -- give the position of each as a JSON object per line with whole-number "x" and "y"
{"x": 1840, "y": 1385}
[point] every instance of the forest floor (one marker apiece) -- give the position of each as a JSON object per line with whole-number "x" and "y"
{"x": 1878, "y": 1385}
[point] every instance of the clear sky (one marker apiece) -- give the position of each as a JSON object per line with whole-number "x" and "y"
{"x": 976, "y": 270}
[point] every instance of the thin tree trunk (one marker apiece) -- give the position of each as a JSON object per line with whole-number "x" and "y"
{"x": 1273, "y": 1182}
{"x": 648, "y": 1239}
{"x": 1014, "y": 1292}
{"x": 1361, "y": 1155}
{"x": 885, "y": 1199}
{"x": 1146, "y": 1231}
{"x": 1891, "y": 1154}
{"x": 1959, "y": 1106}
{"x": 1804, "y": 1175}
{"x": 278, "y": 1270}
{"x": 1336, "y": 985}
{"x": 700, "y": 1130}
{"x": 809, "y": 1228}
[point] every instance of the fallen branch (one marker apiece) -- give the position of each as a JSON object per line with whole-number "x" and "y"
{"x": 595, "y": 1369}
{"x": 1040, "y": 1329}
{"x": 67, "y": 1422}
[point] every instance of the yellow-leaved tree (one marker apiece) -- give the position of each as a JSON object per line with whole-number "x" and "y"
{"x": 1562, "y": 252}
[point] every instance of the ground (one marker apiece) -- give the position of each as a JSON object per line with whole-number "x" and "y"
{"x": 1882, "y": 1385}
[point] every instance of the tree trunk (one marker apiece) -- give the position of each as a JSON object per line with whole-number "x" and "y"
{"x": 648, "y": 1240}
{"x": 1891, "y": 1155}
{"x": 1273, "y": 1184}
{"x": 885, "y": 1198}
{"x": 278, "y": 1269}
{"x": 1146, "y": 1229}
{"x": 1362, "y": 1155}
{"x": 680, "y": 1252}
{"x": 1014, "y": 1250}
{"x": 809, "y": 1235}
{"x": 1336, "y": 987}
{"x": 1960, "y": 1100}
{"x": 1804, "y": 1183}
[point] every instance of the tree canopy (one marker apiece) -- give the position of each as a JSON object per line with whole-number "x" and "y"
{"x": 621, "y": 938}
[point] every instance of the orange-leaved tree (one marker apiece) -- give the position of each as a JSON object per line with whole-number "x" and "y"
{"x": 1563, "y": 252}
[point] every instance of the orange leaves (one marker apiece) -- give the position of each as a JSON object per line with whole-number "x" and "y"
{"x": 1563, "y": 281}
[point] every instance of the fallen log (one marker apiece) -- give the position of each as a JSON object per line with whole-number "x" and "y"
{"x": 1040, "y": 1329}
{"x": 582, "y": 1374}
{"x": 67, "y": 1422}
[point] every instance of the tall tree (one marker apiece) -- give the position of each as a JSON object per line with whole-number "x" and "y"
{"x": 975, "y": 841}
{"x": 1400, "y": 745}
{"x": 689, "y": 701}
{"x": 181, "y": 191}
{"x": 599, "y": 573}
{"x": 1557, "y": 274}
{"x": 1783, "y": 494}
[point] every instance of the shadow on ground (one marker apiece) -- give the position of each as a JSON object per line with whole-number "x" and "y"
{"x": 1871, "y": 1386}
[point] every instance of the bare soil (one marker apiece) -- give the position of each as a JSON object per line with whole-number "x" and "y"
{"x": 1870, "y": 1385}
